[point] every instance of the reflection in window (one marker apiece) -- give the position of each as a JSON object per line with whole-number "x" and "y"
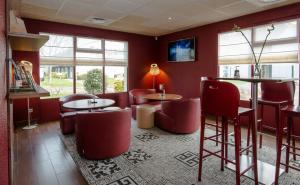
{"x": 89, "y": 79}
{"x": 115, "y": 78}
{"x": 58, "y": 80}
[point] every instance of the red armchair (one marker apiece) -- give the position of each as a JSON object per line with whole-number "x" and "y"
{"x": 182, "y": 116}
{"x": 121, "y": 98}
{"x": 102, "y": 135}
{"x": 67, "y": 116}
{"x": 136, "y": 98}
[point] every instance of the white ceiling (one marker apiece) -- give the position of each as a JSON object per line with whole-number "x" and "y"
{"x": 148, "y": 17}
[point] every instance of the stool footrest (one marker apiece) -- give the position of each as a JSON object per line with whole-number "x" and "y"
{"x": 246, "y": 149}
{"x": 209, "y": 153}
{"x": 293, "y": 167}
{"x": 247, "y": 169}
{"x": 210, "y": 137}
{"x": 285, "y": 144}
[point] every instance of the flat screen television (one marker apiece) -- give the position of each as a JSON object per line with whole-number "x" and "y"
{"x": 182, "y": 50}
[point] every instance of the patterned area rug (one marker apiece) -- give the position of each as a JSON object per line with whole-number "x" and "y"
{"x": 156, "y": 157}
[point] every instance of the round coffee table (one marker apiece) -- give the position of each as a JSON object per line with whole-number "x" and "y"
{"x": 162, "y": 97}
{"x": 85, "y": 104}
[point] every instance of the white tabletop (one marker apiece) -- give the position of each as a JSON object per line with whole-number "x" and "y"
{"x": 86, "y": 104}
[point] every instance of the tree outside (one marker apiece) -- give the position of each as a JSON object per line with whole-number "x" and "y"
{"x": 93, "y": 82}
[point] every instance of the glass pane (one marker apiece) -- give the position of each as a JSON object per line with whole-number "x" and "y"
{"x": 56, "y": 52}
{"x": 58, "y": 46}
{"x": 88, "y": 56}
{"x": 233, "y": 37}
{"x": 115, "y": 45}
{"x": 59, "y": 41}
{"x": 283, "y": 71}
{"x": 89, "y": 79}
{"x": 115, "y": 79}
{"x": 116, "y": 55}
{"x": 277, "y": 48}
{"x": 232, "y": 50}
{"x": 245, "y": 71}
{"x": 280, "y": 70}
{"x": 279, "y": 53}
{"x": 88, "y": 43}
{"x": 282, "y": 31}
{"x": 58, "y": 80}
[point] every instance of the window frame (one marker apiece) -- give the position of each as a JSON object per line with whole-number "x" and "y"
{"x": 101, "y": 64}
{"x": 254, "y": 43}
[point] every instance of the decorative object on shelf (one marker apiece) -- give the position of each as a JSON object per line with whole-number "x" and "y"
{"x": 21, "y": 74}
{"x": 257, "y": 67}
{"x": 154, "y": 70}
{"x": 236, "y": 72}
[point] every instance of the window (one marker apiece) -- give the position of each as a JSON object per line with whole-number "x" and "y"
{"x": 234, "y": 53}
{"x": 279, "y": 58}
{"x": 70, "y": 64}
{"x": 56, "y": 65}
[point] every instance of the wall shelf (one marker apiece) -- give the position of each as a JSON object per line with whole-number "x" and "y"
{"x": 27, "y": 41}
{"x": 40, "y": 92}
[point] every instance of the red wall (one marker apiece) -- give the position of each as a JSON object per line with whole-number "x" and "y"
{"x": 185, "y": 77}
{"x": 3, "y": 102}
{"x": 142, "y": 52}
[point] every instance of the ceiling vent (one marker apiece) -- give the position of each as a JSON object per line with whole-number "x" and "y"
{"x": 98, "y": 20}
{"x": 262, "y": 3}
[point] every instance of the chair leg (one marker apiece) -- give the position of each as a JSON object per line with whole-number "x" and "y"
{"x": 226, "y": 139}
{"x": 217, "y": 130}
{"x": 237, "y": 150}
{"x": 293, "y": 139}
{"x": 249, "y": 132}
{"x": 288, "y": 141}
{"x": 261, "y": 125}
{"x": 279, "y": 131}
{"x": 224, "y": 121}
{"x": 202, "y": 132}
{"x": 254, "y": 146}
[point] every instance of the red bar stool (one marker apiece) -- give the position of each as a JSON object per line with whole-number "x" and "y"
{"x": 216, "y": 123}
{"x": 288, "y": 113}
{"x": 241, "y": 111}
{"x": 221, "y": 99}
{"x": 277, "y": 95}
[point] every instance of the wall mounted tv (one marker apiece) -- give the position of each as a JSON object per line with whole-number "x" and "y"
{"x": 182, "y": 50}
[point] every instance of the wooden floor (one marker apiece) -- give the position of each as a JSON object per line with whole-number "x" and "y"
{"x": 42, "y": 159}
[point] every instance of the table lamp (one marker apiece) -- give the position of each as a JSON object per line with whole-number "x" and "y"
{"x": 154, "y": 70}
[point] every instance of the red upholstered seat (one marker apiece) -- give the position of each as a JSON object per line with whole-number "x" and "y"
{"x": 181, "y": 116}
{"x": 120, "y": 98}
{"x": 136, "y": 98}
{"x": 67, "y": 116}
{"x": 102, "y": 135}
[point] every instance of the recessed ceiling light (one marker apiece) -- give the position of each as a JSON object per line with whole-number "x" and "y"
{"x": 170, "y": 18}
{"x": 269, "y": 1}
{"x": 98, "y": 21}
{"x": 263, "y": 3}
